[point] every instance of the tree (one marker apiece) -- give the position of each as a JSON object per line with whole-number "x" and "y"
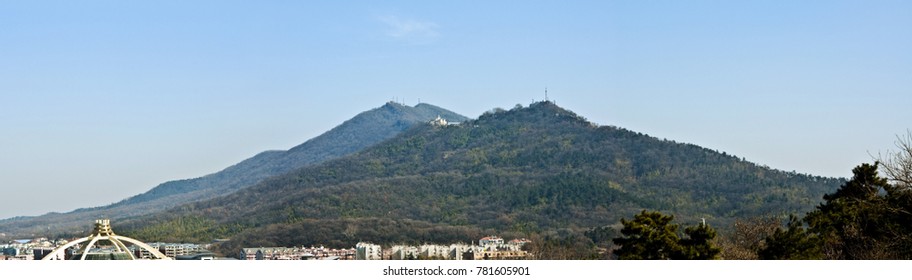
{"x": 561, "y": 245}
{"x": 601, "y": 236}
{"x": 698, "y": 244}
{"x": 747, "y": 237}
{"x": 649, "y": 236}
{"x": 897, "y": 166}
{"x": 866, "y": 218}
{"x": 794, "y": 243}
{"x": 652, "y": 236}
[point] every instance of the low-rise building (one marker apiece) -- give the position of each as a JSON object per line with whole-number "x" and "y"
{"x": 460, "y": 251}
{"x": 501, "y": 255}
{"x": 403, "y": 252}
{"x": 438, "y": 121}
{"x": 40, "y": 252}
{"x": 201, "y": 256}
{"x": 296, "y": 253}
{"x": 491, "y": 241}
{"x": 367, "y": 251}
{"x": 434, "y": 252}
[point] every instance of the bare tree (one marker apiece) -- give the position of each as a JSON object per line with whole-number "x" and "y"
{"x": 746, "y": 237}
{"x": 897, "y": 166}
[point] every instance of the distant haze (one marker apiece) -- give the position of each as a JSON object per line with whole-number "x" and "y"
{"x": 101, "y": 101}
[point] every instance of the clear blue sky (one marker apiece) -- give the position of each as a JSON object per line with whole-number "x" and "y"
{"x": 102, "y": 100}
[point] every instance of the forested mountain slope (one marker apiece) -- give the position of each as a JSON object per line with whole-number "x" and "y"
{"x": 526, "y": 170}
{"x": 365, "y": 129}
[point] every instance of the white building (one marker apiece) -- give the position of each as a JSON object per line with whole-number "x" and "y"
{"x": 367, "y": 251}
{"x": 438, "y": 121}
{"x": 431, "y": 251}
{"x": 458, "y": 251}
{"x": 262, "y": 253}
{"x": 403, "y": 252}
{"x": 491, "y": 242}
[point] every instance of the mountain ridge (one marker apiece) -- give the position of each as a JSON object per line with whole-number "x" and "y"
{"x": 361, "y": 131}
{"x": 531, "y": 169}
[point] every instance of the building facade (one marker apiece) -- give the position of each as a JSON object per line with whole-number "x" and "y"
{"x": 367, "y": 251}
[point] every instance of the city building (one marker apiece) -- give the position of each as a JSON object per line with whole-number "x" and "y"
{"x": 491, "y": 241}
{"x": 203, "y": 256}
{"x": 172, "y": 250}
{"x": 367, "y": 251}
{"x": 493, "y": 249}
{"x": 460, "y": 251}
{"x": 295, "y": 253}
{"x": 41, "y": 252}
{"x": 434, "y": 252}
{"x": 403, "y": 252}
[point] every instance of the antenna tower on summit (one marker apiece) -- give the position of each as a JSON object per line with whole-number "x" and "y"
{"x": 546, "y": 94}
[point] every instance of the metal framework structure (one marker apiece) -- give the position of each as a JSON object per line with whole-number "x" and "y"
{"x": 103, "y": 232}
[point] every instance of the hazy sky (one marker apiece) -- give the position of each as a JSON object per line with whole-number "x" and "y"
{"x": 102, "y": 100}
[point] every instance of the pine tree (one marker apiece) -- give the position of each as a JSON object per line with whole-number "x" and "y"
{"x": 866, "y": 218}
{"x": 649, "y": 236}
{"x": 698, "y": 244}
{"x": 858, "y": 220}
{"x": 794, "y": 243}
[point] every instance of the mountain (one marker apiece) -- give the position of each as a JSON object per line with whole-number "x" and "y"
{"x": 365, "y": 129}
{"x": 524, "y": 171}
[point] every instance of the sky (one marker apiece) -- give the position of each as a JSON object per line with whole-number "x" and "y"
{"x": 103, "y": 100}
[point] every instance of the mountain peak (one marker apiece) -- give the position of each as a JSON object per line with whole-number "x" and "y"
{"x": 551, "y": 107}
{"x": 363, "y": 130}
{"x": 546, "y": 111}
{"x": 395, "y": 105}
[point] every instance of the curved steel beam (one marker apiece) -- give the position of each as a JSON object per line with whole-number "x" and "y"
{"x": 51, "y": 256}
{"x": 103, "y": 232}
{"x": 88, "y": 247}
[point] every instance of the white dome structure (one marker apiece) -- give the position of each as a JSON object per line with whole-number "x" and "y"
{"x": 103, "y": 244}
